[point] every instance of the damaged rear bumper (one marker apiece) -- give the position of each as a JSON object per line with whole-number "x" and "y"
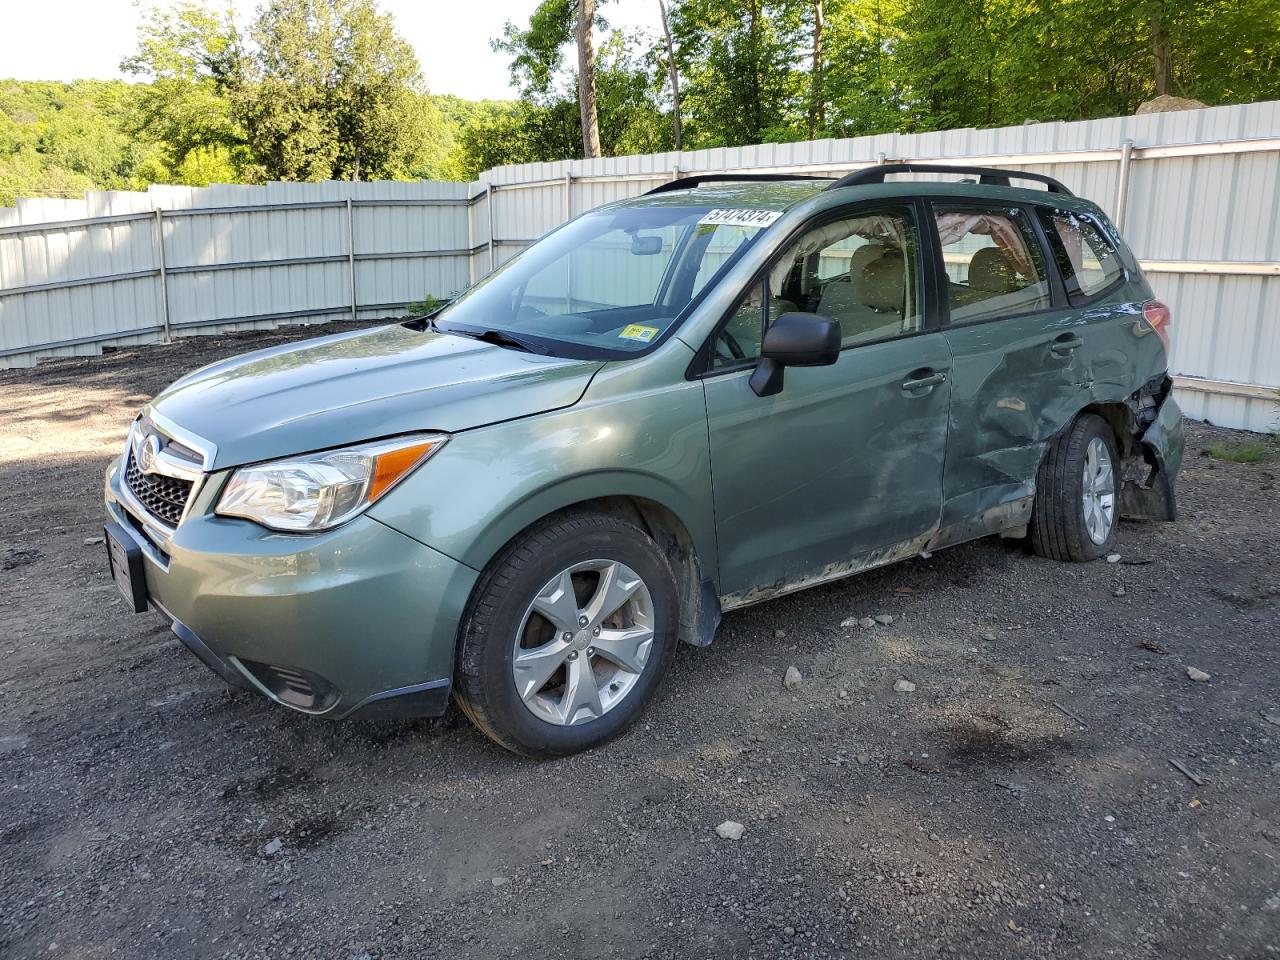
{"x": 1153, "y": 465}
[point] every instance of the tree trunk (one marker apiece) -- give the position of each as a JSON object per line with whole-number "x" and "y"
{"x": 755, "y": 118}
{"x": 1162, "y": 47}
{"x": 817, "y": 106}
{"x": 675, "y": 75}
{"x": 587, "y": 80}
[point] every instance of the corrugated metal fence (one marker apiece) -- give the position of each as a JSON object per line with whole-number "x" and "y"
{"x": 1197, "y": 194}
{"x": 122, "y": 268}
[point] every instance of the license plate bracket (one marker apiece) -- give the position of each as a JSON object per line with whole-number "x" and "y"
{"x": 125, "y": 559}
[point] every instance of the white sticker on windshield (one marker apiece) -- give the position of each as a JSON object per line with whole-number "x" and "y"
{"x": 741, "y": 218}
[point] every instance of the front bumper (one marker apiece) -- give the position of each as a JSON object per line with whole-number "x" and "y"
{"x": 357, "y": 619}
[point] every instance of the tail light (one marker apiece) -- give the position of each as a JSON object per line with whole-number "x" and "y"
{"x": 1158, "y": 317}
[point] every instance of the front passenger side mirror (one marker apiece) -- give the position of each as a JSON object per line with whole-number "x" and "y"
{"x": 794, "y": 340}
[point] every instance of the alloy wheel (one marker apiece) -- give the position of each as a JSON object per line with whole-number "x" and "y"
{"x": 1099, "y": 491}
{"x": 583, "y": 642}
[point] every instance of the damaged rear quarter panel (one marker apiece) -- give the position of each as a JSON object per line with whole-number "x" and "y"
{"x": 1013, "y": 394}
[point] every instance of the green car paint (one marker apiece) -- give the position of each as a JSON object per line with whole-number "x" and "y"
{"x": 751, "y": 496}
{"x": 356, "y": 386}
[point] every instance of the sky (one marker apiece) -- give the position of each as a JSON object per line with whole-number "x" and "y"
{"x": 71, "y": 39}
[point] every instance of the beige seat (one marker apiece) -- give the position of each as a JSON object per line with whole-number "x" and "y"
{"x": 877, "y": 311}
{"x": 991, "y": 273}
{"x": 844, "y": 294}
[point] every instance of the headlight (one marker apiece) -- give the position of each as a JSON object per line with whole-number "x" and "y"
{"x": 318, "y": 491}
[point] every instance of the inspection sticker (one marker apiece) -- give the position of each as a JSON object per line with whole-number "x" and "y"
{"x": 636, "y": 331}
{"x": 741, "y": 218}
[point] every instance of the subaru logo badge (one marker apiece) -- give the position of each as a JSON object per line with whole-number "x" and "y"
{"x": 148, "y": 451}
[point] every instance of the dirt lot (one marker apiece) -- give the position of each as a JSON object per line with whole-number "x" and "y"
{"x": 1019, "y": 803}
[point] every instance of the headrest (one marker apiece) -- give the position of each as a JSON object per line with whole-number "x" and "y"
{"x": 864, "y": 255}
{"x": 882, "y": 284}
{"x": 990, "y": 272}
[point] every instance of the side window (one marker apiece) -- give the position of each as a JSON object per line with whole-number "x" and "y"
{"x": 739, "y": 339}
{"x": 1087, "y": 259}
{"x": 993, "y": 260}
{"x": 862, "y": 271}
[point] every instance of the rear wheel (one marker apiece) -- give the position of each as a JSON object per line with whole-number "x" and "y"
{"x": 568, "y": 636}
{"x": 1075, "y": 512}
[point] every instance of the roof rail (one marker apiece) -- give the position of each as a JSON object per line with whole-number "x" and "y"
{"x": 987, "y": 175}
{"x": 684, "y": 183}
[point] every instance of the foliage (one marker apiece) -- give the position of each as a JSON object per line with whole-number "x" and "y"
{"x": 1246, "y": 451}
{"x": 915, "y": 65}
{"x": 60, "y": 139}
{"x": 328, "y": 91}
{"x": 739, "y": 60}
{"x": 191, "y": 56}
{"x": 425, "y": 307}
{"x": 545, "y": 123}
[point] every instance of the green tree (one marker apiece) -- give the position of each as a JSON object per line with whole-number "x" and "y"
{"x": 861, "y": 88}
{"x": 630, "y": 118}
{"x": 329, "y": 91}
{"x": 740, "y": 62}
{"x": 191, "y": 55}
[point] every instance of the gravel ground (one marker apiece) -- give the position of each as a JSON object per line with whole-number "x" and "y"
{"x": 1019, "y": 802}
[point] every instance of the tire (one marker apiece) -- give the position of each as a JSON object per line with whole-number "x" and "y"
{"x": 521, "y": 606}
{"x": 1061, "y": 527}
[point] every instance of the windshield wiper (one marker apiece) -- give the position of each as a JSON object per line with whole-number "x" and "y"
{"x": 499, "y": 338}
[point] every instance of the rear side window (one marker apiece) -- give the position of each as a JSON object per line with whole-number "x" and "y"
{"x": 994, "y": 264}
{"x": 1087, "y": 259}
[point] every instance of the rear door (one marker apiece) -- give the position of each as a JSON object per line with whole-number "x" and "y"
{"x": 1020, "y": 364}
{"x": 843, "y": 468}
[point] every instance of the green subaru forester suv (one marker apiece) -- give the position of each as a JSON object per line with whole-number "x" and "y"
{"x": 725, "y": 390}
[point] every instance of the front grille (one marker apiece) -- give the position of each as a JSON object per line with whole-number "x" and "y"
{"x": 164, "y": 497}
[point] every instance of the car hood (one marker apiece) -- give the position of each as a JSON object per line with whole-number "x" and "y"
{"x": 361, "y": 386}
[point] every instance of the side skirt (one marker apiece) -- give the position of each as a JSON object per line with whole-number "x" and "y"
{"x": 1011, "y": 517}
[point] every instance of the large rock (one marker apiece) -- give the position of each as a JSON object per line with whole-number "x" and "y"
{"x": 730, "y": 830}
{"x": 1168, "y": 104}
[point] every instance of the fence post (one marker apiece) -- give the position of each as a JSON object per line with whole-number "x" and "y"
{"x": 164, "y": 279}
{"x": 1122, "y": 186}
{"x": 489, "y": 191}
{"x": 351, "y": 257}
{"x": 568, "y": 196}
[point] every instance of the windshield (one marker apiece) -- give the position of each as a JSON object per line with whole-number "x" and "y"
{"x": 607, "y": 284}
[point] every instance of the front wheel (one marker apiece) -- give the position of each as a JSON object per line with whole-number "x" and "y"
{"x": 1076, "y": 501}
{"x": 568, "y": 635}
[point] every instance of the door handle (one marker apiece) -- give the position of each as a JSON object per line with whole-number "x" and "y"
{"x": 1064, "y": 345}
{"x": 926, "y": 381}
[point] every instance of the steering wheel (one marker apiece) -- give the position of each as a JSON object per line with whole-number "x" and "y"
{"x": 727, "y": 340}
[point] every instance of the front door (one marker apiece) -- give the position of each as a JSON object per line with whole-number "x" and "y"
{"x": 843, "y": 468}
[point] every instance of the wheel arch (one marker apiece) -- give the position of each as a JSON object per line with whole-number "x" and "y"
{"x": 1119, "y": 417}
{"x": 1144, "y": 485}
{"x": 689, "y": 550}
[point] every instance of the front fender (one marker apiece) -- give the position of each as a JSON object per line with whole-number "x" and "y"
{"x": 487, "y": 485}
